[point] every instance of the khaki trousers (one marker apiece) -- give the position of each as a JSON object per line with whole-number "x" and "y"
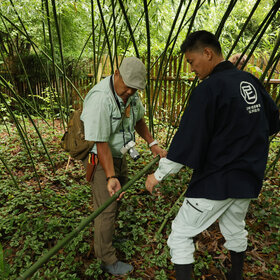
{"x": 104, "y": 224}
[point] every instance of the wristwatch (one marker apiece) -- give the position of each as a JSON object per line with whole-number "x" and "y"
{"x": 155, "y": 142}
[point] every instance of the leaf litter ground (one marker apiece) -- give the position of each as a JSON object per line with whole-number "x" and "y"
{"x": 31, "y": 222}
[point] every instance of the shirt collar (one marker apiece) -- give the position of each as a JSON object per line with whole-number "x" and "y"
{"x": 120, "y": 99}
{"x": 222, "y": 66}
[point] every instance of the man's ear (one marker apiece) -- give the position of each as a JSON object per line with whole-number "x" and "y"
{"x": 208, "y": 52}
{"x": 117, "y": 72}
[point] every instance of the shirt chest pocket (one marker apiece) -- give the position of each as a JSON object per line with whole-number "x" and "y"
{"x": 116, "y": 121}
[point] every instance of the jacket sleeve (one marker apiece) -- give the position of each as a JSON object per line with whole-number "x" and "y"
{"x": 190, "y": 143}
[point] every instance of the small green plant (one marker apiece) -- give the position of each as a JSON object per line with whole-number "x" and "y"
{"x": 32, "y": 222}
{"x": 4, "y": 267}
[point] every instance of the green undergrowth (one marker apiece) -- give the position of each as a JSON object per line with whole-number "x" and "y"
{"x": 33, "y": 219}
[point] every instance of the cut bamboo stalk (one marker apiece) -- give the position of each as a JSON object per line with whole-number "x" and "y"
{"x": 169, "y": 214}
{"x": 30, "y": 271}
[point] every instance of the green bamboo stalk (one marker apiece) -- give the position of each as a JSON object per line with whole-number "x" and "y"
{"x": 116, "y": 18}
{"x": 121, "y": 31}
{"x": 115, "y": 33}
{"x": 134, "y": 29}
{"x": 168, "y": 215}
{"x": 265, "y": 23}
{"x": 5, "y": 124}
{"x": 243, "y": 28}
{"x": 43, "y": 23}
{"x": 225, "y": 17}
{"x": 129, "y": 28}
{"x": 101, "y": 46}
{"x": 170, "y": 134}
{"x": 275, "y": 63}
{"x": 273, "y": 164}
{"x": 81, "y": 53}
{"x": 6, "y": 65}
{"x": 271, "y": 59}
{"x": 181, "y": 57}
{"x": 21, "y": 62}
{"x": 53, "y": 63}
{"x": 158, "y": 85}
{"x": 34, "y": 48}
{"x": 175, "y": 88}
{"x": 164, "y": 53}
{"x": 260, "y": 36}
{"x": 25, "y": 33}
{"x": 11, "y": 174}
{"x": 277, "y": 101}
{"x": 106, "y": 35}
{"x": 20, "y": 130}
{"x": 99, "y": 50}
{"x": 95, "y": 66}
{"x": 43, "y": 52}
{"x": 60, "y": 244}
{"x": 100, "y": 54}
{"x": 148, "y": 86}
{"x": 179, "y": 30}
{"x": 59, "y": 36}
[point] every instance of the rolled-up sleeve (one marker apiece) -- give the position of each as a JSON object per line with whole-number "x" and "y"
{"x": 166, "y": 167}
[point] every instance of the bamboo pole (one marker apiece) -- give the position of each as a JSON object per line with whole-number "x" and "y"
{"x": 30, "y": 271}
{"x": 169, "y": 214}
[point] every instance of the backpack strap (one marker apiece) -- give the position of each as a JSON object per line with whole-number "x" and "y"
{"x": 114, "y": 93}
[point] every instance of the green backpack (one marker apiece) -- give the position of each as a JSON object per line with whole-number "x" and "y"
{"x": 73, "y": 140}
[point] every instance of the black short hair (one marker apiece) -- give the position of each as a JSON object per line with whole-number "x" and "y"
{"x": 201, "y": 39}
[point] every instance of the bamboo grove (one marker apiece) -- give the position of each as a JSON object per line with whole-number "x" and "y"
{"x": 114, "y": 34}
{"x": 109, "y": 27}
{"x": 112, "y": 26}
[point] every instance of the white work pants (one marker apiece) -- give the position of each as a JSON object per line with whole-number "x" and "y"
{"x": 197, "y": 214}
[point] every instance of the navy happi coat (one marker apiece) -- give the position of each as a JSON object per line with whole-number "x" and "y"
{"x": 224, "y": 135}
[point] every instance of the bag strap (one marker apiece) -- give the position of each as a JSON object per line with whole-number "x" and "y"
{"x": 114, "y": 93}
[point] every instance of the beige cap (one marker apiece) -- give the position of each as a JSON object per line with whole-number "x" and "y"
{"x": 133, "y": 72}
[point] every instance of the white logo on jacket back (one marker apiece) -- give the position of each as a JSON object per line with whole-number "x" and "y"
{"x": 248, "y": 92}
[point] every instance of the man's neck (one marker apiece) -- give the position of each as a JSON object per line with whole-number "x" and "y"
{"x": 217, "y": 60}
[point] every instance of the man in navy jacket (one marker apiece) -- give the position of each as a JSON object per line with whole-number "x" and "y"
{"x": 224, "y": 136}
